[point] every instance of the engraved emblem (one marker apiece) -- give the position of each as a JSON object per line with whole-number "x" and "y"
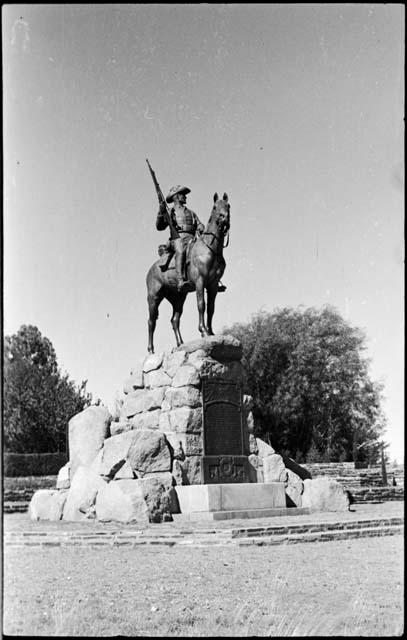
{"x": 226, "y": 467}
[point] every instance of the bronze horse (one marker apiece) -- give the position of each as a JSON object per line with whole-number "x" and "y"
{"x": 204, "y": 265}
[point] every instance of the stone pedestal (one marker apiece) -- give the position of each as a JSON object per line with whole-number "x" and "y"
{"x": 227, "y": 501}
{"x": 230, "y": 497}
{"x": 194, "y": 396}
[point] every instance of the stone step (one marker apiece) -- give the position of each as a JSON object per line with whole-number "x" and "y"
{"x": 321, "y": 536}
{"x": 309, "y": 527}
{"x": 15, "y": 507}
{"x": 204, "y": 541}
{"x": 212, "y": 516}
{"x": 306, "y": 532}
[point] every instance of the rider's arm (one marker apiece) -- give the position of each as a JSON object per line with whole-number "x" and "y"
{"x": 161, "y": 222}
{"x": 199, "y": 226}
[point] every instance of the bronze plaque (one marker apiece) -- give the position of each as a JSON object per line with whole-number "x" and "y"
{"x": 222, "y": 418}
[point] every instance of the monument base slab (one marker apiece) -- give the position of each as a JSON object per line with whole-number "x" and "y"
{"x": 222, "y": 498}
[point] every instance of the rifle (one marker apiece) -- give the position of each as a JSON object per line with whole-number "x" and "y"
{"x": 174, "y": 233}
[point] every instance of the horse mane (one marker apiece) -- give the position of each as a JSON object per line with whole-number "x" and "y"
{"x": 212, "y": 214}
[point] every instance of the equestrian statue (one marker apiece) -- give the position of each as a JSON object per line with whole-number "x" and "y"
{"x": 191, "y": 260}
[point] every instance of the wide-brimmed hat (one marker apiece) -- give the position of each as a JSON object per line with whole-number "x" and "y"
{"x": 174, "y": 190}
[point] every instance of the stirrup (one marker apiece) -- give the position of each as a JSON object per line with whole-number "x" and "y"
{"x": 221, "y": 287}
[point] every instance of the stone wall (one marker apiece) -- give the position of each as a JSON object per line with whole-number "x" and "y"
{"x": 370, "y": 476}
{"x": 364, "y": 484}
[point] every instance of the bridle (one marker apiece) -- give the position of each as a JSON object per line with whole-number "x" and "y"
{"x": 216, "y": 236}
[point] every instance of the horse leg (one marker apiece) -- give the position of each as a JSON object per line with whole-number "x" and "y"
{"x": 153, "y": 304}
{"x": 200, "y": 298}
{"x": 177, "y": 307}
{"x": 212, "y": 292}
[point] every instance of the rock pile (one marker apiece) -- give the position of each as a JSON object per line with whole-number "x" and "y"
{"x": 321, "y": 494}
{"x": 164, "y": 394}
{"x": 269, "y": 466}
{"x": 125, "y": 468}
{"x": 124, "y": 477}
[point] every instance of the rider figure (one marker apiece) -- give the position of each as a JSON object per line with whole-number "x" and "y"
{"x": 186, "y": 222}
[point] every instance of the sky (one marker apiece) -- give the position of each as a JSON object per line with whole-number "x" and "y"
{"x": 295, "y": 110}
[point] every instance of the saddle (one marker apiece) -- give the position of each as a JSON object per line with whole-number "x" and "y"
{"x": 166, "y": 261}
{"x": 166, "y": 253}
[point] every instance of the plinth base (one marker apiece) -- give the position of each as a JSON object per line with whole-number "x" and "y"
{"x": 226, "y": 501}
{"x": 242, "y": 514}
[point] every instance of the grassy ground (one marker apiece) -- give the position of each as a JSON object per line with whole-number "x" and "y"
{"x": 334, "y": 588}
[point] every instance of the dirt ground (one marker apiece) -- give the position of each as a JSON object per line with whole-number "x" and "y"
{"x": 349, "y": 588}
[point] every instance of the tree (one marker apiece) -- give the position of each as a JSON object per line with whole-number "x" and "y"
{"x": 313, "y": 455}
{"x": 310, "y": 383}
{"x": 39, "y": 399}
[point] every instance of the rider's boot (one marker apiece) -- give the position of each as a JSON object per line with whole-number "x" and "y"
{"x": 182, "y": 284}
{"x": 221, "y": 287}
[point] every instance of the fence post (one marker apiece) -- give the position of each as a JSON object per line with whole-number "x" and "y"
{"x": 383, "y": 462}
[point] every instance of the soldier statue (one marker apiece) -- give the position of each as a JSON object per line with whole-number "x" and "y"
{"x": 198, "y": 252}
{"x": 186, "y": 223}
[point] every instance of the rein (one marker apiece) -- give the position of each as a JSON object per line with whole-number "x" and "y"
{"x": 214, "y": 237}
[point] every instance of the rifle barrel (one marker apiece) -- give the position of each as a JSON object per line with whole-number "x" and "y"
{"x": 161, "y": 200}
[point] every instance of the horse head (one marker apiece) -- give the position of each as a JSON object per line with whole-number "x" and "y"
{"x": 220, "y": 214}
